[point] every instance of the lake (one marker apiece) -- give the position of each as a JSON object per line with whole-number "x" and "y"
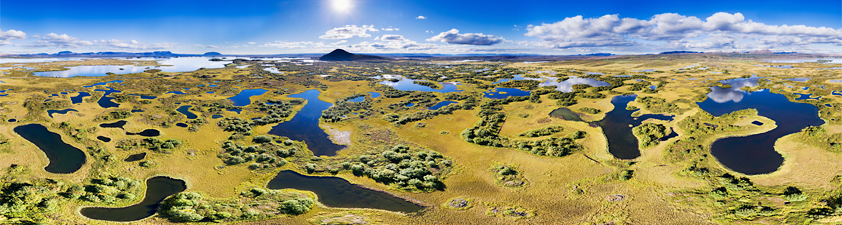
{"x": 64, "y": 158}
{"x": 755, "y": 154}
{"x": 617, "y": 126}
{"x": 304, "y": 126}
{"x": 179, "y": 64}
{"x": 185, "y": 109}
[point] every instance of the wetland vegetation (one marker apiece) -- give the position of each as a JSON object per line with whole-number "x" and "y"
{"x": 415, "y": 141}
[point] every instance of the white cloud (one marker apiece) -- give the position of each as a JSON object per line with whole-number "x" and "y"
{"x": 6, "y": 36}
{"x": 454, "y": 37}
{"x": 678, "y": 31}
{"x": 251, "y": 42}
{"x": 60, "y": 41}
{"x": 210, "y": 46}
{"x": 348, "y": 31}
{"x": 392, "y": 37}
{"x": 391, "y": 29}
{"x": 420, "y": 18}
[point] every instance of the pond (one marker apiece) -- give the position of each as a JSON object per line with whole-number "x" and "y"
{"x": 78, "y": 98}
{"x": 216, "y": 116}
{"x": 103, "y": 138}
{"x": 157, "y": 189}
{"x": 406, "y": 84}
{"x": 144, "y": 96}
{"x": 185, "y": 109}
{"x": 179, "y": 64}
{"x": 304, "y": 126}
{"x": 118, "y": 124}
{"x": 337, "y": 192}
{"x": 617, "y": 126}
{"x": 357, "y": 99}
{"x": 243, "y": 99}
{"x": 374, "y": 94}
{"x": 566, "y": 114}
{"x": 755, "y": 154}
{"x": 181, "y": 125}
{"x": 806, "y": 96}
{"x": 501, "y": 93}
{"x": 63, "y": 111}
{"x": 146, "y": 133}
{"x": 441, "y": 104}
{"x": 135, "y": 157}
{"x": 64, "y": 158}
{"x": 105, "y": 101}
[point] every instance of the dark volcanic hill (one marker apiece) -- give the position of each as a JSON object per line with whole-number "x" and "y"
{"x": 342, "y": 55}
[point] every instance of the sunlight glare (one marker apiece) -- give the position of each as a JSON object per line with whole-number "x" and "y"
{"x": 342, "y": 5}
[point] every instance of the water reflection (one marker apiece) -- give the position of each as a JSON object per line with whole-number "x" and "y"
{"x": 734, "y": 93}
{"x": 180, "y": 64}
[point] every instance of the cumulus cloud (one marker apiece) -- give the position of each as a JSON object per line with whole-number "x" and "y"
{"x": 349, "y": 31}
{"x": 675, "y": 29}
{"x": 454, "y": 37}
{"x": 421, "y": 18}
{"x": 60, "y": 41}
{"x": 391, "y": 29}
{"x": 392, "y": 37}
{"x": 6, "y": 36}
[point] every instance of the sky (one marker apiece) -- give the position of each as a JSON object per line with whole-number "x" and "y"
{"x": 422, "y": 26}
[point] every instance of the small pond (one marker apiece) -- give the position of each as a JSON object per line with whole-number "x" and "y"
{"x": 135, "y": 157}
{"x": 157, "y": 189}
{"x": 337, "y": 192}
{"x": 185, "y": 109}
{"x": 78, "y": 98}
{"x": 64, "y": 158}
{"x": 146, "y": 133}
{"x": 118, "y": 124}
{"x": 63, "y": 111}
{"x": 441, "y": 104}
{"x": 501, "y": 93}
{"x": 243, "y": 99}
{"x": 103, "y": 138}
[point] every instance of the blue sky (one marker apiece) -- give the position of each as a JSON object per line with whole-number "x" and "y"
{"x": 448, "y": 27}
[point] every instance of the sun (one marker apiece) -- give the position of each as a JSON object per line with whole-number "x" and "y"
{"x": 342, "y": 5}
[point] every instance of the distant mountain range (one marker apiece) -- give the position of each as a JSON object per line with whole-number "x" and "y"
{"x": 342, "y": 55}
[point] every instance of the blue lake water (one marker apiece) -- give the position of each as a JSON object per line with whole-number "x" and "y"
{"x": 63, "y": 111}
{"x": 180, "y": 64}
{"x": 338, "y": 192}
{"x": 442, "y": 104}
{"x": 755, "y": 154}
{"x": 305, "y": 125}
{"x": 374, "y": 94}
{"x": 157, "y": 189}
{"x": 406, "y": 84}
{"x": 357, "y": 99}
{"x": 798, "y": 79}
{"x": 216, "y": 116}
{"x": 144, "y": 96}
{"x": 617, "y": 126}
{"x": 497, "y": 93}
{"x": 78, "y": 98}
{"x": 64, "y": 158}
{"x": 176, "y": 92}
{"x": 411, "y": 104}
{"x": 105, "y": 101}
{"x": 806, "y": 97}
{"x": 185, "y": 109}
{"x": 243, "y": 99}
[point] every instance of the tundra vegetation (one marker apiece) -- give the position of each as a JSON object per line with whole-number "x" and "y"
{"x": 481, "y": 160}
